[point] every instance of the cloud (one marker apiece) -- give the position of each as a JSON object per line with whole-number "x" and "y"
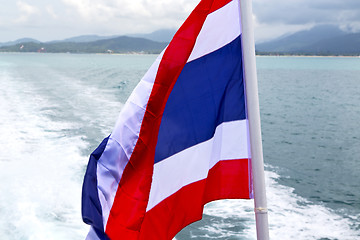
{"x": 278, "y": 17}
{"x": 296, "y": 12}
{"x": 26, "y": 11}
{"x": 51, "y": 12}
{"x": 67, "y": 18}
{"x": 89, "y": 9}
{"x": 129, "y": 16}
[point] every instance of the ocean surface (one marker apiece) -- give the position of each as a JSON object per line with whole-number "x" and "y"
{"x": 56, "y": 108}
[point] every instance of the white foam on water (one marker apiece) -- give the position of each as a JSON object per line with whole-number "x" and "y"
{"x": 86, "y": 101}
{"x": 293, "y": 217}
{"x": 39, "y": 168}
{"x": 290, "y": 217}
{"x": 102, "y": 102}
{"x": 41, "y": 165}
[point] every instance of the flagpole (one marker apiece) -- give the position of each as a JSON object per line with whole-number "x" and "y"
{"x": 248, "y": 46}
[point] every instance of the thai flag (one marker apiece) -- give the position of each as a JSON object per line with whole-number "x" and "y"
{"x": 181, "y": 139}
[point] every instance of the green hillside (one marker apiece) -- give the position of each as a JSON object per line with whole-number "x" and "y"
{"x": 121, "y": 44}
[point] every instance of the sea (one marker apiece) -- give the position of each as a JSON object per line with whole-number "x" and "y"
{"x": 56, "y": 108}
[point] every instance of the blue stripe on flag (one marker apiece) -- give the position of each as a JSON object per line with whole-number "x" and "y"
{"x": 91, "y": 207}
{"x": 208, "y": 92}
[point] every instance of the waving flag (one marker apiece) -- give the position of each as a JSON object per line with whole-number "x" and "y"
{"x": 181, "y": 139}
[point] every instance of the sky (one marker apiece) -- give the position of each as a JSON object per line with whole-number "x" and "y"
{"x": 47, "y": 20}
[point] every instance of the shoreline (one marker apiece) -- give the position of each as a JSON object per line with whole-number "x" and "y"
{"x": 296, "y": 55}
{"x": 144, "y": 53}
{"x": 72, "y": 53}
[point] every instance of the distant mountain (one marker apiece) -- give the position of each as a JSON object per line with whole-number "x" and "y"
{"x": 160, "y": 36}
{"x": 309, "y": 41}
{"x": 163, "y": 35}
{"x": 348, "y": 44}
{"x": 121, "y": 44}
{"x": 320, "y": 40}
{"x": 21, "y": 40}
{"x": 85, "y": 38}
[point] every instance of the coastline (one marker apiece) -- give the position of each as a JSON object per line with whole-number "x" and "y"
{"x": 81, "y": 53}
{"x": 312, "y": 56}
{"x": 151, "y": 53}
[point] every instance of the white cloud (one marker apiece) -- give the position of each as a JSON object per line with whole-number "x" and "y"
{"x": 26, "y": 11}
{"x": 66, "y": 18}
{"x": 51, "y": 12}
{"x": 106, "y": 9}
{"x": 88, "y": 9}
{"x": 130, "y": 16}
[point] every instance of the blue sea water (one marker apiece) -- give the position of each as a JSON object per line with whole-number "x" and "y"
{"x": 56, "y": 108}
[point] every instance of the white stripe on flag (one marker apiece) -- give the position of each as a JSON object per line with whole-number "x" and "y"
{"x": 229, "y": 142}
{"x": 220, "y": 28}
{"x": 92, "y": 235}
{"x": 122, "y": 140}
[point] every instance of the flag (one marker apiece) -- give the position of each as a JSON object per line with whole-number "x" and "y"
{"x": 181, "y": 139}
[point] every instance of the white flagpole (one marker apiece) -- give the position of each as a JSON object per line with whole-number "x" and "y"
{"x": 248, "y": 48}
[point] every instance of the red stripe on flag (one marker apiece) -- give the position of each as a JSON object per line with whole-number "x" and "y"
{"x": 129, "y": 207}
{"x": 218, "y": 4}
{"x": 226, "y": 180}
